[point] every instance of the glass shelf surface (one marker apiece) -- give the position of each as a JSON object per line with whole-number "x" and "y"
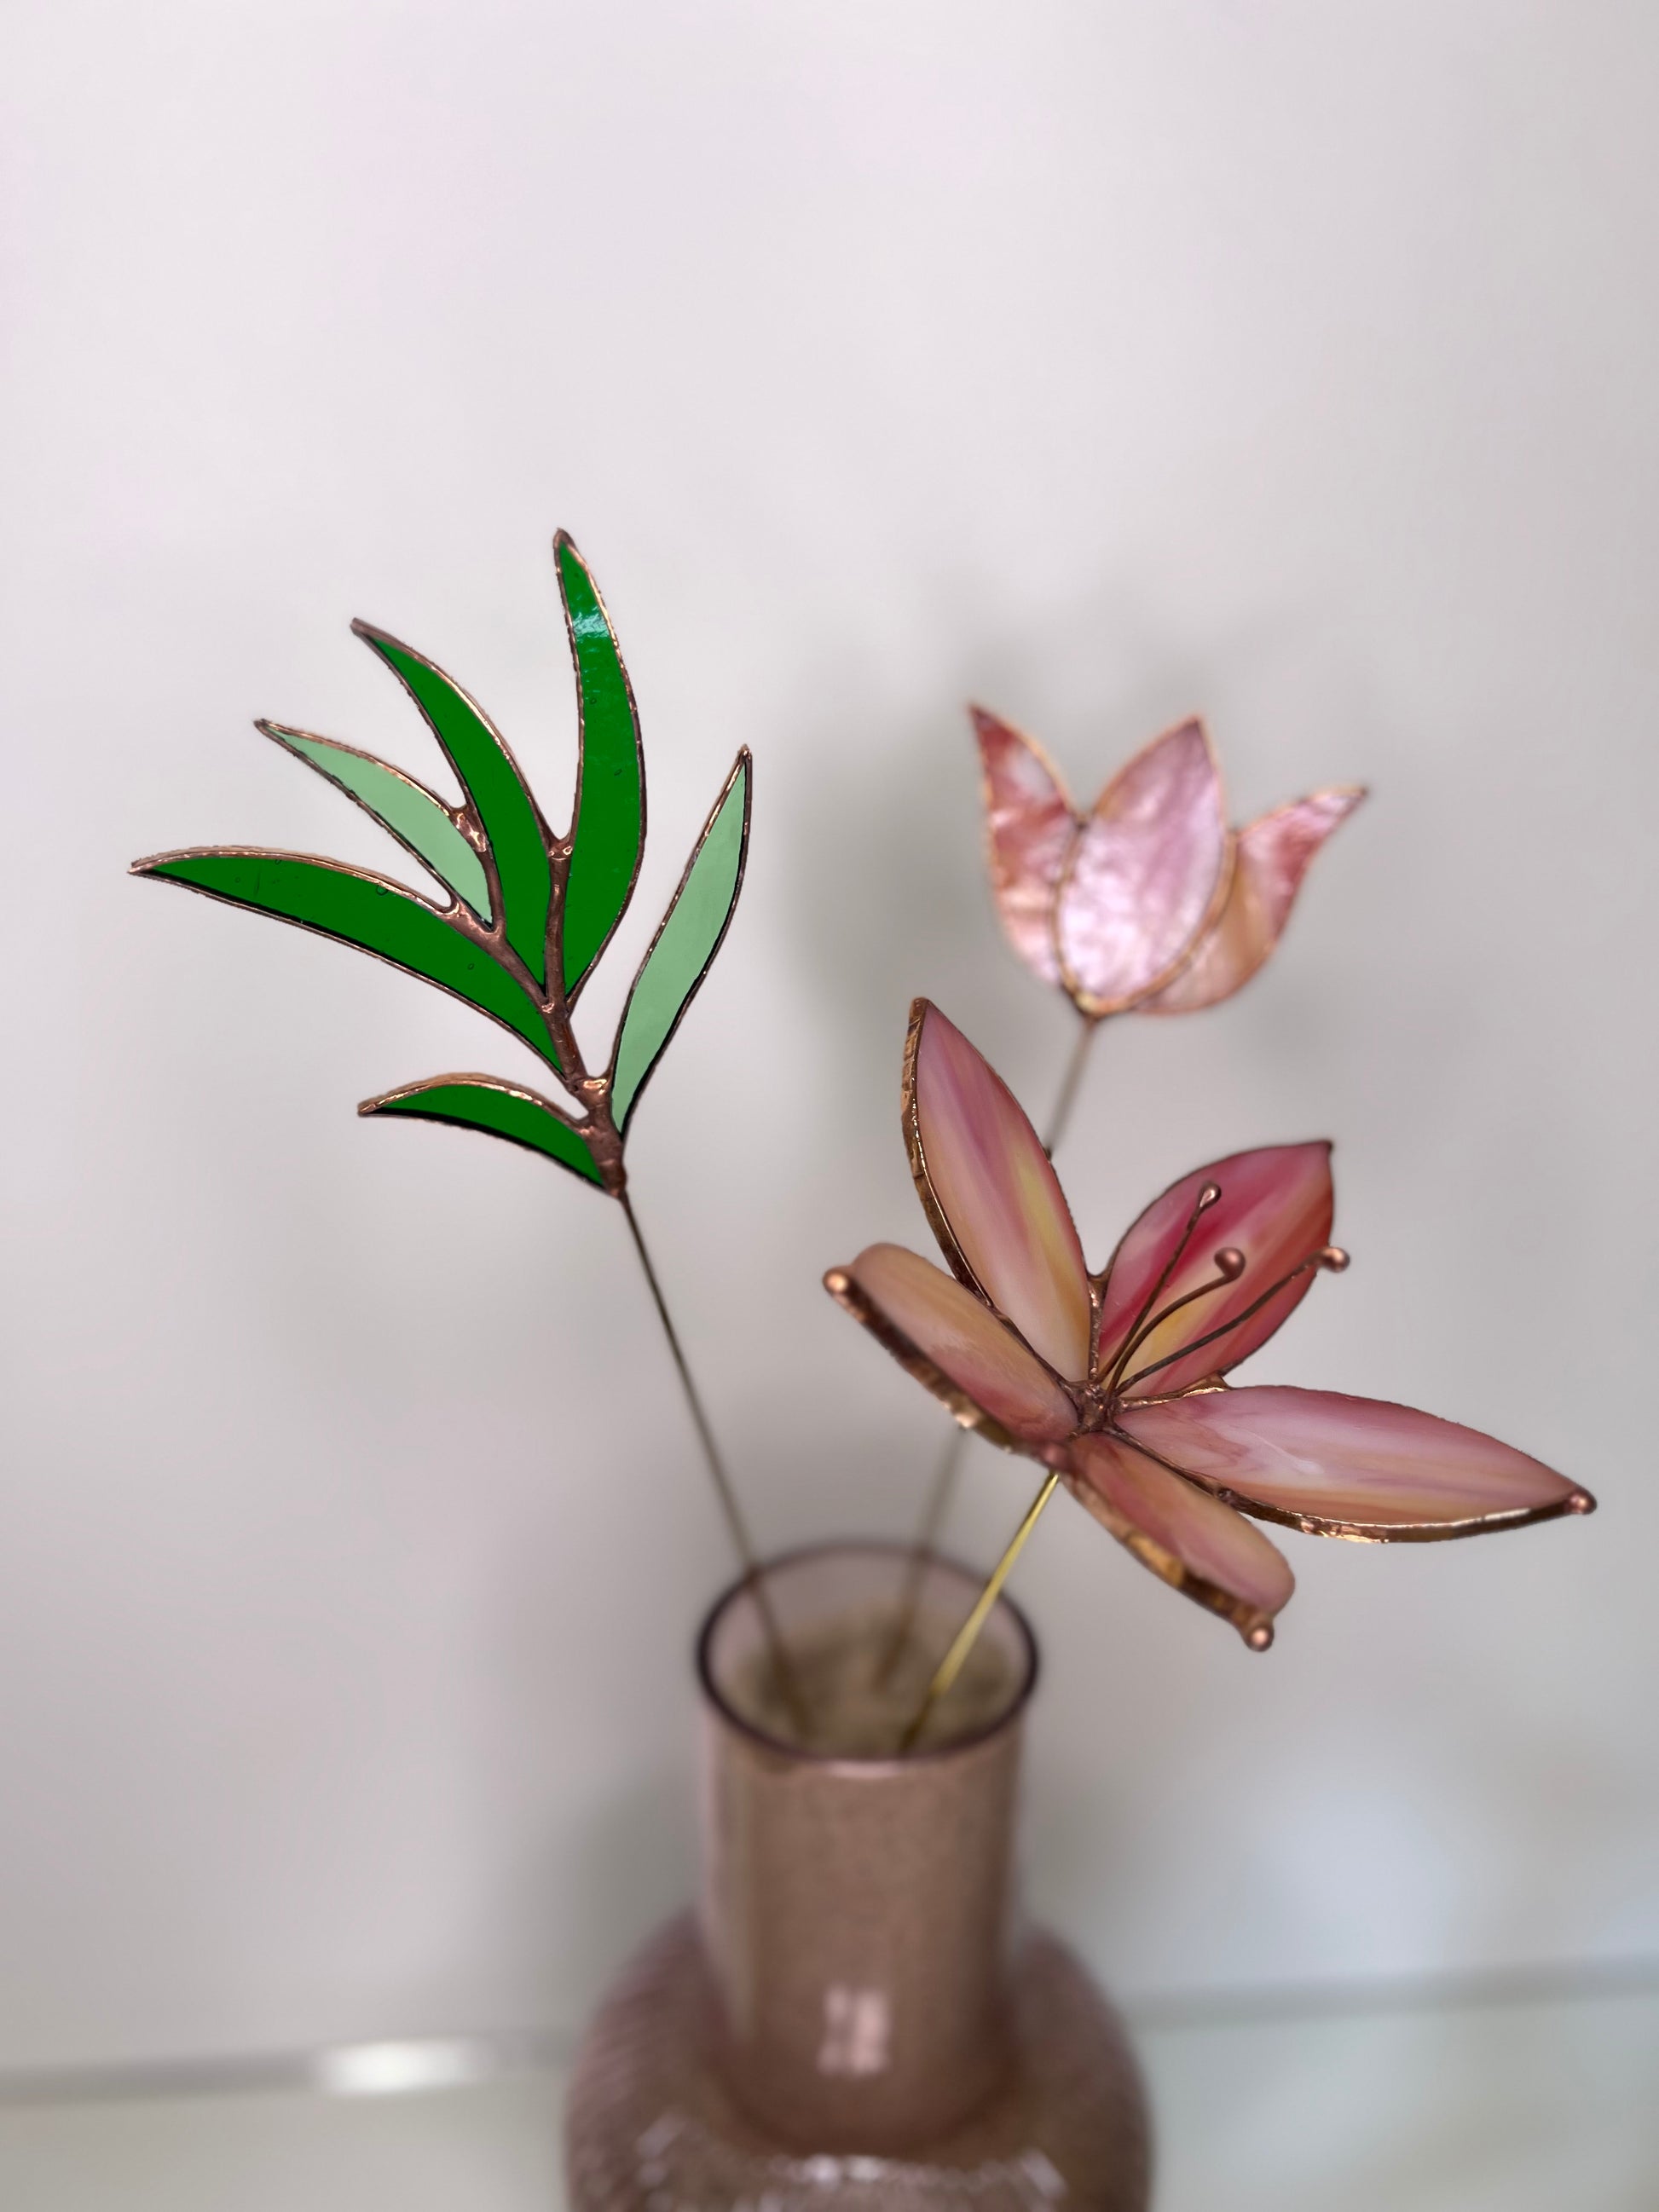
{"x": 1535, "y": 2105}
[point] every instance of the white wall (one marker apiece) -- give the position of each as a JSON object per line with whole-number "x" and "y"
{"x": 1293, "y": 362}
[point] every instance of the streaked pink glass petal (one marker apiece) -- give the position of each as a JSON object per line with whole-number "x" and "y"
{"x": 961, "y": 1335}
{"x": 1029, "y": 825}
{"x": 1359, "y": 1461}
{"x": 1000, "y": 1198}
{"x": 1276, "y": 1207}
{"x": 1270, "y": 859}
{"x": 1144, "y": 873}
{"x": 1208, "y": 1538}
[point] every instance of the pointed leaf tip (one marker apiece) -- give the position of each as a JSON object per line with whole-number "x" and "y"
{"x": 608, "y": 826}
{"x": 688, "y": 937}
{"x": 499, "y": 795}
{"x": 416, "y": 817}
{"x": 361, "y": 910}
{"x": 497, "y": 1109}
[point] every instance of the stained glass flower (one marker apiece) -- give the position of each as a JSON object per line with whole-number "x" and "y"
{"x": 1118, "y": 1380}
{"x": 1148, "y": 903}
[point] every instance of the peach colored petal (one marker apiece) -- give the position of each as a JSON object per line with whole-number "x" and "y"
{"x": 1351, "y": 1467}
{"x": 1030, "y": 828}
{"x": 1276, "y": 1207}
{"x": 1145, "y": 876}
{"x": 1270, "y": 859}
{"x": 993, "y": 1200}
{"x": 1197, "y": 1545}
{"x": 947, "y": 1337}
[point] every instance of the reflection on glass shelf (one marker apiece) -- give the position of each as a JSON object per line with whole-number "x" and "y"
{"x": 1519, "y": 2094}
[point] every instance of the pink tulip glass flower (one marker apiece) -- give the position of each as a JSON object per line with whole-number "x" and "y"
{"x": 1116, "y": 1381}
{"x": 1150, "y": 903}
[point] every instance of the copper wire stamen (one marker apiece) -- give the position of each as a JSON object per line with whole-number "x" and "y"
{"x": 1229, "y": 1263}
{"x": 1208, "y": 1197}
{"x": 1329, "y": 1257}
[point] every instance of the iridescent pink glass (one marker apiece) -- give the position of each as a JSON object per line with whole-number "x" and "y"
{"x": 855, "y": 2015}
{"x": 1149, "y": 902}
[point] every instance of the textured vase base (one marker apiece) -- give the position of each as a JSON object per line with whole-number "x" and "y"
{"x": 650, "y": 2128}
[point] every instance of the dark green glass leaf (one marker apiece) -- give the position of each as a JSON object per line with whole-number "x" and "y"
{"x": 609, "y": 832}
{"x": 685, "y": 944}
{"x": 418, "y": 820}
{"x": 501, "y": 798}
{"x": 500, "y": 1109}
{"x": 360, "y": 910}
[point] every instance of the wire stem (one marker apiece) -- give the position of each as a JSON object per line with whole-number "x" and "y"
{"x": 942, "y": 1494}
{"x": 1071, "y": 1082}
{"x": 932, "y": 1520}
{"x": 968, "y": 1635}
{"x": 754, "y": 1581}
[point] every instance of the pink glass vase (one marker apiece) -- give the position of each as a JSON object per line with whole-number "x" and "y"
{"x": 854, "y": 2014}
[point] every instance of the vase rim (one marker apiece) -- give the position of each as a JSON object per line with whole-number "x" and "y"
{"x": 887, "y": 1764}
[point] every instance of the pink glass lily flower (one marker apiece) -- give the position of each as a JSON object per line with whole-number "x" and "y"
{"x": 1116, "y": 1380}
{"x": 1150, "y": 903}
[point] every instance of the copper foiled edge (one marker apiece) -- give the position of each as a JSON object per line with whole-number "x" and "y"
{"x": 1256, "y": 1626}
{"x": 954, "y": 1256}
{"x": 847, "y": 1295}
{"x": 1578, "y": 1502}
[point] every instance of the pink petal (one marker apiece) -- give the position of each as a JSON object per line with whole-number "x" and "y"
{"x": 951, "y": 1341}
{"x": 1276, "y": 1207}
{"x": 1270, "y": 859}
{"x": 1197, "y": 1545}
{"x": 1351, "y": 1467}
{"x": 1146, "y": 874}
{"x": 995, "y": 1202}
{"x": 1030, "y": 827}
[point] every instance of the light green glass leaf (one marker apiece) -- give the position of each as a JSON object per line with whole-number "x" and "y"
{"x": 608, "y": 834}
{"x": 419, "y": 820}
{"x": 500, "y": 1109}
{"x": 685, "y": 944}
{"x": 361, "y": 909}
{"x": 501, "y": 798}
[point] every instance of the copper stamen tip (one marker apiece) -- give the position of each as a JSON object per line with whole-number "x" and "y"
{"x": 1581, "y": 1502}
{"x": 1229, "y": 1262}
{"x": 1208, "y": 1196}
{"x": 1334, "y": 1258}
{"x": 1260, "y": 1637}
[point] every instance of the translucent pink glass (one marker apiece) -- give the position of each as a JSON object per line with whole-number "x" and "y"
{"x": 855, "y": 2013}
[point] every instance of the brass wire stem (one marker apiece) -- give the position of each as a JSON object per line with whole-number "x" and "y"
{"x": 754, "y": 1581}
{"x": 968, "y": 1635}
{"x": 941, "y": 1495}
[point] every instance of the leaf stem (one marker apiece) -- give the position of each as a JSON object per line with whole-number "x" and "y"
{"x": 754, "y": 1580}
{"x": 968, "y": 1635}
